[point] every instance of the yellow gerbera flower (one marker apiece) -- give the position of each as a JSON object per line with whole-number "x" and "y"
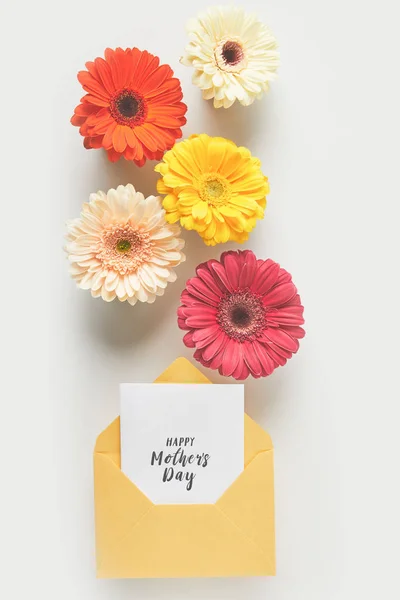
{"x": 213, "y": 187}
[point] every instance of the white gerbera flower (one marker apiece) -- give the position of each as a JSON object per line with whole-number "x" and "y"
{"x": 234, "y": 55}
{"x": 122, "y": 247}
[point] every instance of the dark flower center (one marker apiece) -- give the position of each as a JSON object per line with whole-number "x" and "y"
{"x": 128, "y": 107}
{"x": 241, "y": 315}
{"x": 123, "y": 246}
{"x": 232, "y": 53}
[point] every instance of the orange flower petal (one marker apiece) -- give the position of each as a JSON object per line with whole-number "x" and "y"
{"x": 147, "y": 65}
{"x": 104, "y": 72}
{"x": 97, "y": 116}
{"x": 108, "y": 137}
{"x": 168, "y": 135}
{"x": 111, "y": 60}
{"x": 129, "y": 153}
{"x": 140, "y": 162}
{"x": 135, "y": 144}
{"x": 96, "y": 141}
{"x": 77, "y": 120}
{"x": 171, "y": 89}
{"x": 91, "y": 67}
{"x": 91, "y": 85}
{"x": 103, "y": 126}
{"x": 153, "y": 155}
{"x": 119, "y": 64}
{"x": 165, "y": 119}
{"x": 148, "y": 137}
{"x": 175, "y": 110}
{"x": 84, "y": 130}
{"x": 135, "y": 55}
{"x": 113, "y": 156}
{"x": 157, "y": 78}
{"x": 131, "y": 138}
{"x": 118, "y": 138}
{"x": 95, "y": 100}
{"x": 135, "y": 154}
{"x": 121, "y": 68}
{"x": 85, "y": 109}
{"x": 131, "y": 61}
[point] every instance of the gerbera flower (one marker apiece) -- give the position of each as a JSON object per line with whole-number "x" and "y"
{"x": 121, "y": 247}
{"x": 213, "y": 187}
{"x": 242, "y": 315}
{"x": 132, "y": 107}
{"x": 234, "y": 55}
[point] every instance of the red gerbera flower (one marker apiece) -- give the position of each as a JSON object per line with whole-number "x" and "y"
{"x": 132, "y": 107}
{"x": 243, "y": 315}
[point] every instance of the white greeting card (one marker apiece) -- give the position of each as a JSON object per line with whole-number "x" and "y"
{"x": 182, "y": 443}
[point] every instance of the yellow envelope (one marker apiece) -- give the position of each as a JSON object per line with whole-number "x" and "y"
{"x": 233, "y": 537}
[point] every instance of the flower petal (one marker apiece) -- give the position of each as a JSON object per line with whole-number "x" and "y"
{"x": 221, "y": 277}
{"x": 204, "y": 333}
{"x": 248, "y": 270}
{"x": 282, "y": 339}
{"x": 231, "y": 264}
{"x": 205, "y": 275}
{"x": 215, "y": 346}
{"x": 251, "y": 359}
{"x": 188, "y": 340}
{"x": 118, "y": 139}
{"x": 232, "y": 357}
{"x": 279, "y": 295}
{"x": 199, "y": 210}
{"x": 201, "y": 320}
{"x": 197, "y": 288}
{"x": 288, "y": 315}
{"x": 266, "y": 277}
{"x": 266, "y": 362}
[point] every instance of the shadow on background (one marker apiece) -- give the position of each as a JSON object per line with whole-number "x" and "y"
{"x": 238, "y": 123}
{"x": 183, "y": 588}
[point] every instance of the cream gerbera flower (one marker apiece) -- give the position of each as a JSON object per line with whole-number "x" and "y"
{"x": 234, "y": 55}
{"x": 122, "y": 247}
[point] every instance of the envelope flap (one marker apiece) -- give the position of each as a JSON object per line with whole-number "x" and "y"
{"x": 108, "y": 442}
{"x": 256, "y": 440}
{"x": 119, "y": 505}
{"x": 249, "y": 504}
{"x": 182, "y": 371}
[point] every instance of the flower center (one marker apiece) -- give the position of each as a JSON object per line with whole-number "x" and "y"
{"x": 241, "y": 315}
{"x": 214, "y": 189}
{"x": 230, "y": 56}
{"x": 123, "y": 245}
{"x": 128, "y": 107}
{"x": 232, "y": 53}
{"x": 124, "y": 248}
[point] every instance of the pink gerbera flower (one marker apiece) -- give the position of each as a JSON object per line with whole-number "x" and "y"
{"x": 242, "y": 315}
